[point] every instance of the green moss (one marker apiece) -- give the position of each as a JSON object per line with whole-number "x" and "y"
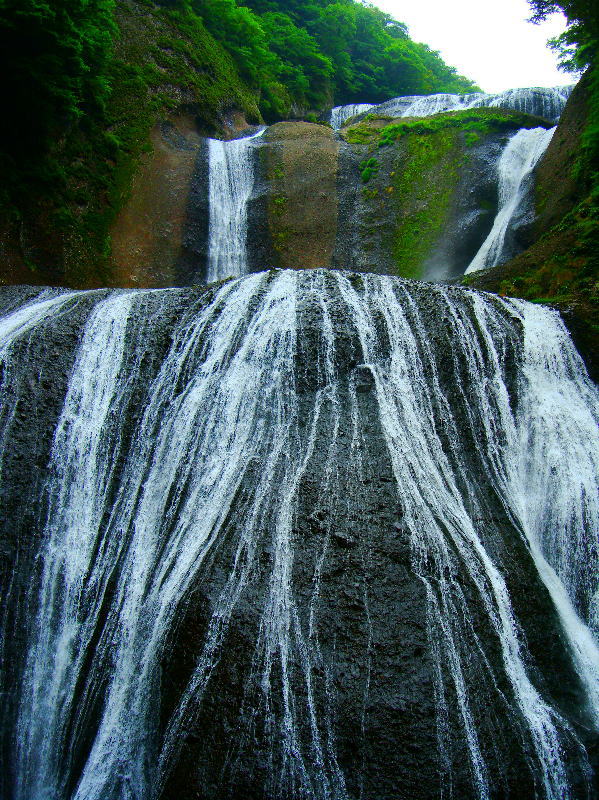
{"x": 356, "y": 280}
{"x": 546, "y": 301}
{"x": 423, "y": 188}
{"x": 369, "y": 194}
{"x": 280, "y": 239}
{"x": 474, "y": 123}
{"x": 279, "y": 202}
{"x": 368, "y": 168}
{"x": 471, "y": 137}
{"x": 363, "y": 133}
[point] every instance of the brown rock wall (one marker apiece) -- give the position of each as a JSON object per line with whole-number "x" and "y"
{"x": 301, "y": 169}
{"x": 146, "y": 237}
{"x": 557, "y": 190}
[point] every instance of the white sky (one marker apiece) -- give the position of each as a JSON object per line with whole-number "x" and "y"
{"x": 489, "y": 41}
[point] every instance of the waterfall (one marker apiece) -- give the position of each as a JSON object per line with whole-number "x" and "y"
{"x": 515, "y": 167}
{"x": 82, "y": 464}
{"x": 290, "y": 520}
{"x": 231, "y": 181}
{"x": 558, "y": 496}
{"x": 15, "y": 326}
{"x": 546, "y": 103}
{"x": 341, "y": 114}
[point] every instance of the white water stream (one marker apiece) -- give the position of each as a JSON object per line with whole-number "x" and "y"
{"x": 340, "y": 114}
{"x": 231, "y": 181}
{"x": 515, "y": 168}
{"x": 221, "y": 448}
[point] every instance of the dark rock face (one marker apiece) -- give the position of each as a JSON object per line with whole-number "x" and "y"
{"x": 260, "y": 251}
{"x": 366, "y": 226}
{"x": 34, "y": 382}
{"x": 327, "y": 462}
{"x": 193, "y": 255}
{"x": 473, "y": 209}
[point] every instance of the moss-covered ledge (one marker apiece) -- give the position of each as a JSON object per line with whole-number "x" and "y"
{"x": 473, "y": 123}
{"x": 413, "y": 208}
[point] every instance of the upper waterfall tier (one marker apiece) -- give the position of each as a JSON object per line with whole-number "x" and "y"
{"x": 340, "y": 114}
{"x": 304, "y": 535}
{"x": 540, "y": 102}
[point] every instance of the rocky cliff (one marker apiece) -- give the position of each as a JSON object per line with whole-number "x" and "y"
{"x": 414, "y": 198}
{"x": 103, "y": 220}
{"x": 562, "y": 263}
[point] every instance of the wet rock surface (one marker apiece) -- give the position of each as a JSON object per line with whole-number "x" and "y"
{"x": 347, "y": 704}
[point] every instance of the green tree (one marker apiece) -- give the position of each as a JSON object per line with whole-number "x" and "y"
{"x": 581, "y": 39}
{"x": 56, "y": 53}
{"x": 371, "y": 55}
{"x": 578, "y": 48}
{"x": 304, "y": 69}
{"x": 241, "y": 32}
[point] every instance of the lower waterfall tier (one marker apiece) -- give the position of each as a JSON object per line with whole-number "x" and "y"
{"x": 302, "y": 535}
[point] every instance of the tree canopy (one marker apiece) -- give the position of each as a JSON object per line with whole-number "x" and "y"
{"x": 55, "y": 52}
{"x": 578, "y": 48}
{"x": 327, "y": 52}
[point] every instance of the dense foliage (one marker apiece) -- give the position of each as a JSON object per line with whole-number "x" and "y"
{"x": 325, "y": 52}
{"x": 578, "y": 48}
{"x": 54, "y": 55}
{"x": 59, "y": 54}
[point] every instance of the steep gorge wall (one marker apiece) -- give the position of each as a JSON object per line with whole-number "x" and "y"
{"x": 415, "y": 201}
{"x": 412, "y": 198}
{"x": 120, "y": 171}
{"x": 147, "y": 235}
{"x": 301, "y": 162}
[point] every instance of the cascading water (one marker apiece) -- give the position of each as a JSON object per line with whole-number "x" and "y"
{"x": 298, "y": 533}
{"x": 546, "y": 103}
{"x": 340, "y": 114}
{"x": 516, "y": 165}
{"x": 231, "y": 181}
